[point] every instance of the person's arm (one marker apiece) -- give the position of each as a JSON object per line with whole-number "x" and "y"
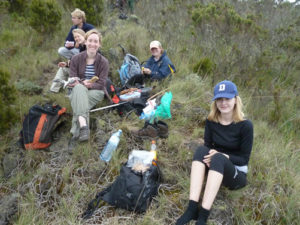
{"x": 102, "y": 73}
{"x": 70, "y": 39}
{"x": 242, "y": 158}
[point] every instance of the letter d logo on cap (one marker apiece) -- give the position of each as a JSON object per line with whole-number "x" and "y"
{"x": 222, "y": 87}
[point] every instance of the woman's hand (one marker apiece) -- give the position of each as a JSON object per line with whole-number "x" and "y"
{"x": 146, "y": 71}
{"x": 69, "y": 44}
{"x": 62, "y": 64}
{"x": 73, "y": 84}
{"x": 87, "y": 84}
{"x": 207, "y": 158}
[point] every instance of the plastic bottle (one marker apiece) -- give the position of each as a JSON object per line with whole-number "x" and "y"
{"x": 111, "y": 146}
{"x": 153, "y": 149}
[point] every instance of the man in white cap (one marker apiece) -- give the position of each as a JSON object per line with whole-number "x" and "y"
{"x": 158, "y": 66}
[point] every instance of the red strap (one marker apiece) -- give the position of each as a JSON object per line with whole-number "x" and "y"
{"x": 112, "y": 88}
{"x": 62, "y": 111}
{"x": 115, "y": 99}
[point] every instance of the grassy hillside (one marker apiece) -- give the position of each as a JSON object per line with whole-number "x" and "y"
{"x": 255, "y": 44}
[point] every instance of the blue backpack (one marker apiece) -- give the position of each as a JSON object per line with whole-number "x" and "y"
{"x": 130, "y": 67}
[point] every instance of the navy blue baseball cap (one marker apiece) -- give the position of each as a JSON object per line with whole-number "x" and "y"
{"x": 225, "y": 89}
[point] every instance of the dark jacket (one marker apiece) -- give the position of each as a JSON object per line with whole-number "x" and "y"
{"x": 160, "y": 69}
{"x": 78, "y": 64}
{"x": 86, "y": 27}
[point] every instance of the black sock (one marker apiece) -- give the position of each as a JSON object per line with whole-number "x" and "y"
{"x": 203, "y": 215}
{"x": 191, "y": 213}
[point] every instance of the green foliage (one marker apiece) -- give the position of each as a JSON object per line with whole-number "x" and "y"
{"x": 204, "y": 66}
{"x": 17, "y": 6}
{"x": 7, "y": 98}
{"x": 45, "y": 16}
{"x": 224, "y": 16}
{"x": 28, "y": 87}
{"x": 93, "y": 10}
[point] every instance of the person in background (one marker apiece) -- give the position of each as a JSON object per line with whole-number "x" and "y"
{"x": 85, "y": 93}
{"x": 79, "y": 21}
{"x": 224, "y": 157}
{"x": 63, "y": 71}
{"x": 158, "y": 66}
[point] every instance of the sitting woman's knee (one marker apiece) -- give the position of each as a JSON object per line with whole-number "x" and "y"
{"x": 79, "y": 87}
{"x": 200, "y": 152}
{"x": 218, "y": 158}
{"x": 218, "y": 162}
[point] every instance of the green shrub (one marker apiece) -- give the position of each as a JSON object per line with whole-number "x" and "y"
{"x": 45, "y": 16}
{"x": 224, "y": 16}
{"x": 204, "y": 66}
{"x": 27, "y": 87}
{"x": 7, "y": 98}
{"x": 17, "y": 6}
{"x": 93, "y": 10}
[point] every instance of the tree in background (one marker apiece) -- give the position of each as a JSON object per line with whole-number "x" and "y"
{"x": 45, "y": 15}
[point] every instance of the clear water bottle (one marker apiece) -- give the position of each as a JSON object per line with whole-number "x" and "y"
{"x": 111, "y": 146}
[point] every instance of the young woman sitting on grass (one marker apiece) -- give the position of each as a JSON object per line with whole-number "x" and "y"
{"x": 63, "y": 71}
{"x": 224, "y": 156}
{"x": 86, "y": 94}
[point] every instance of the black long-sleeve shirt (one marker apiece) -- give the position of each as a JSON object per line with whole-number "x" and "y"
{"x": 235, "y": 140}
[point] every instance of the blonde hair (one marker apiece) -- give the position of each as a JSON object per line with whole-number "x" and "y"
{"x": 93, "y": 31}
{"x": 78, "y": 31}
{"x": 79, "y": 13}
{"x": 238, "y": 115}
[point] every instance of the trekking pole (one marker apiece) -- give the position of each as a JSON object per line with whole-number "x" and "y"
{"x": 108, "y": 107}
{"x": 158, "y": 93}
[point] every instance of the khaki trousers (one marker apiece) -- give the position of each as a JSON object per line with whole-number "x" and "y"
{"x": 62, "y": 74}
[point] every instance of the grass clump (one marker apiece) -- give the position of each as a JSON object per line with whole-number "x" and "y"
{"x": 204, "y": 66}
{"x": 7, "y": 99}
{"x": 28, "y": 87}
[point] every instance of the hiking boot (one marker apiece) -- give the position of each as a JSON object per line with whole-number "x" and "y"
{"x": 163, "y": 130}
{"x": 84, "y": 134}
{"x": 148, "y": 131}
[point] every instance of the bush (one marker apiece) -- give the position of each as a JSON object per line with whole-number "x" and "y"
{"x": 44, "y": 16}
{"x": 224, "y": 16}
{"x": 93, "y": 10}
{"x": 17, "y": 6}
{"x": 7, "y": 98}
{"x": 28, "y": 87}
{"x": 204, "y": 66}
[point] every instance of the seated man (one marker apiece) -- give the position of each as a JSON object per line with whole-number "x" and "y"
{"x": 79, "y": 21}
{"x": 158, "y": 66}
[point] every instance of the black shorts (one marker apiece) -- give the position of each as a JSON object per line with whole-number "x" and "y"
{"x": 233, "y": 178}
